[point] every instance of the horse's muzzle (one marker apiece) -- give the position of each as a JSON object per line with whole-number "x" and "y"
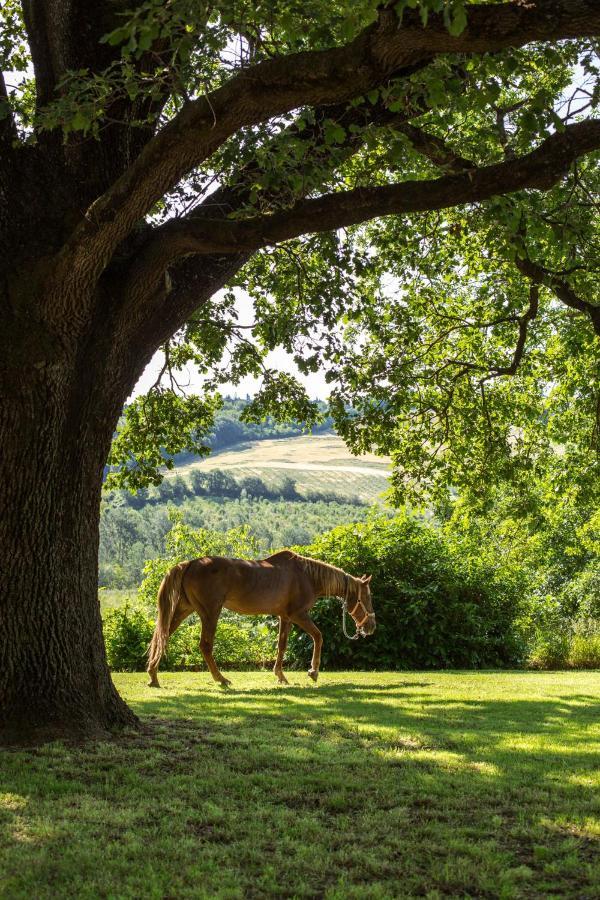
{"x": 368, "y": 628}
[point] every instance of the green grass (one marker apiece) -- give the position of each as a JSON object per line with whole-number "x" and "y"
{"x": 370, "y": 785}
{"x": 111, "y": 598}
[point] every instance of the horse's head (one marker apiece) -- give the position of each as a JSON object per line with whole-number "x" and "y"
{"x": 360, "y": 606}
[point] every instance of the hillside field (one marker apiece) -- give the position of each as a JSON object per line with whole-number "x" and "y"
{"x": 371, "y": 785}
{"x": 318, "y": 463}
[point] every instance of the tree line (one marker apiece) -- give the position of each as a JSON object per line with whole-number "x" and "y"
{"x": 130, "y": 536}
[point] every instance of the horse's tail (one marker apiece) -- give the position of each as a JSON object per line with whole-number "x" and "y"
{"x": 169, "y": 593}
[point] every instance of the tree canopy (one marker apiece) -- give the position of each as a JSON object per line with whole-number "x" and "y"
{"x": 459, "y": 329}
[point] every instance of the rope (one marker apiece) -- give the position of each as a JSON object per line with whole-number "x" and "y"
{"x": 351, "y": 637}
{"x": 356, "y": 635}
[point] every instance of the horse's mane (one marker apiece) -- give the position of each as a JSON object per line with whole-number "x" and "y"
{"x": 331, "y": 580}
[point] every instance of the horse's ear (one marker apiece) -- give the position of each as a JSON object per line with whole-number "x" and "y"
{"x": 366, "y": 578}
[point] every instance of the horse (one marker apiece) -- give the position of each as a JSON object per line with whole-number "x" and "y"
{"x": 285, "y": 584}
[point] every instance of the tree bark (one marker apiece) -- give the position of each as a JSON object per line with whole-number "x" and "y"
{"x": 54, "y": 678}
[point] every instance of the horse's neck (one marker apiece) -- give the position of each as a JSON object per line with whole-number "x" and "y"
{"x": 329, "y": 581}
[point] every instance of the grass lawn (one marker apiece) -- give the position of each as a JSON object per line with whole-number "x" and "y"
{"x": 369, "y": 785}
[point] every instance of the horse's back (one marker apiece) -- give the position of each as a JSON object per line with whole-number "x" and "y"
{"x": 243, "y": 585}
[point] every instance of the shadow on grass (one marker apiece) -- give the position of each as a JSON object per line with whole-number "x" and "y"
{"x": 263, "y": 792}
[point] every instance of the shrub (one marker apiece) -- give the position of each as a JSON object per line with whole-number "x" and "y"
{"x": 549, "y": 649}
{"x": 584, "y": 651}
{"x": 127, "y": 633}
{"x": 434, "y": 606}
{"x": 238, "y": 643}
{"x": 580, "y": 597}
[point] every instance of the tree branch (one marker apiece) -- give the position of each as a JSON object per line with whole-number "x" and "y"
{"x": 523, "y": 321}
{"x": 560, "y": 288}
{"x": 435, "y": 149}
{"x": 275, "y": 87}
{"x": 539, "y": 169}
{"x": 143, "y": 280}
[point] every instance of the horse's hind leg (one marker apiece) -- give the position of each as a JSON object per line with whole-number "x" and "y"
{"x": 304, "y": 621}
{"x": 284, "y": 631}
{"x": 207, "y": 640}
{"x": 182, "y": 611}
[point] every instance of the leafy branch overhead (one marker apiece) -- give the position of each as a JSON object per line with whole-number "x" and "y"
{"x": 406, "y": 191}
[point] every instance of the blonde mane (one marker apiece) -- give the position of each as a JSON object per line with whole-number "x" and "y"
{"x": 329, "y": 580}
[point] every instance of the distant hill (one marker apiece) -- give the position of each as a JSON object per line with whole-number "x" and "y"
{"x": 319, "y": 464}
{"x": 286, "y": 490}
{"x": 229, "y": 430}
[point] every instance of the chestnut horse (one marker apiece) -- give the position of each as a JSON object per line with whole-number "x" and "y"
{"x": 285, "y": 585}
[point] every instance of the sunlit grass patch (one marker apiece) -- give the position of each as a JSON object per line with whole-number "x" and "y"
{"x": 369, "y": 785}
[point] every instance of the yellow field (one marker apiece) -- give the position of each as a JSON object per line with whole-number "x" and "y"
{"x": 315, "y": 462}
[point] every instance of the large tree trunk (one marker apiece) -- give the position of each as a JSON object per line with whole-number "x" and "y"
{"x": 54, "y": 678}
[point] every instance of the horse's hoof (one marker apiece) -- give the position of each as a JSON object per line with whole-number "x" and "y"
{"x": 225, "y": 682}
{"x": 153, "y": 684}
{"x": 314, "y": 674}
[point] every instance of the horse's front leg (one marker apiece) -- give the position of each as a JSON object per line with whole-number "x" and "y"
{"x": 304, "y": 621}
{"x": 284, "y": 631}
{"x": 207, "y": 641}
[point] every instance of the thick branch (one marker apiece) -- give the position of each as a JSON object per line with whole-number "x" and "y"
{"x": 540, "y": 169}
{"x": 560, "y": 288}
{"x": 275, "y": 87}
{"x": 143, "y": 280}
{"x": 439, "y": 153}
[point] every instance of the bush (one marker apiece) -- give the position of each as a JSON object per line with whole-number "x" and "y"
{"x": 580, "y": 597}
{"x": 584, "y": 651}
{"x": 549, "y": 649}
{"x": 434, "y": 607}
{"x": 127, "y": 633}
{"x": 238, "y": 643}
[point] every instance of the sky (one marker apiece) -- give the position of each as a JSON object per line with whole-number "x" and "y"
{"x": 315, "y": 384}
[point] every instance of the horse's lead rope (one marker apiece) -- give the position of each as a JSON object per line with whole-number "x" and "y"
{"x": 351, "y": 637}
{"x": 356, "y": 635}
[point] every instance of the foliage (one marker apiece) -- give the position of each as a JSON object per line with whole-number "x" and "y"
{"x": 155, "y": 428}
{"x": 567, "y": 645}
{"x": 239, "y": 643}
{"x": 130, "y": 536}
{"x": 127, "y": 634}
{"x": 584, "y": 651}
{"x": 435, "y": 607}
{"x": 461, "y": 340}
{"x": 546, "y": 539}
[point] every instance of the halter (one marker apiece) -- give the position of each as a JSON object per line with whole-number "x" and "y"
{"x": 359, "y": 625}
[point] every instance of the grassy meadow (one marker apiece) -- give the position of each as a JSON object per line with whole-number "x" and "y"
{"x": 420, "y": 784}
{"x": 317, "y": 463}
